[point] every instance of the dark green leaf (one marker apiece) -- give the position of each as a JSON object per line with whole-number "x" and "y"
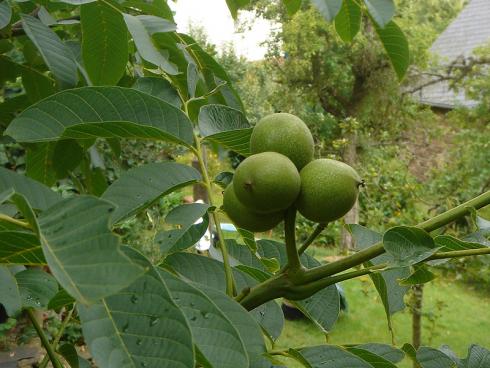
{"x": 82, "y": 253}
{"x": 214, "y": 334}
{"x": 9, "y": 292}
{"x": 330, "y": 356}
{"x": 104, "y": 43}
{"x": 55, "y": 53}
{"x": 36, "y": 288}
{"x": 38, "y": 195}
{"x": 449, "y": 243}
{"x": 348, "y": 21}
{"x": 374, "y": 360}
{"x": 76, "y": 2}
{"x": 226, "y": 126}
{"x": 139, "y": 326}
{"x": 20, "y": 248}
{"x": 146, "y": 47}
{"x": 381, "y": 10}
{"x": 408, "y": 245}
{"x": 433, "y": 358}
{"x": 192, "y": 79}
{"x": 36, "y": 84}
{"x": 138, "y": 188}
{"x": 478, "y": 357}
{"x": 39, "y": 163}
{"x": 292, "y": 6}
{"x": 155, "y": 24}
{"x": 106, "y": 112}
{"x": 396, "y": 46}
{"x": 328, "y": 8}
{"x": 158, "y": 87}
{"x": 387, "y": 352}
{"x": 420, "y": 275}
{"x": 235, "y": 5}
{"x": 67, "y": 155}
{"x": 159, "y": 8}
{"x": 70, "y": 354}
{"x": 60, "y": 300}
{"x": 5, "y": 14}
{"x": 223, "y": 179}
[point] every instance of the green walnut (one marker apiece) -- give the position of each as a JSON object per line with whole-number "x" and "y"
{"x": 286, "y": 134}
{"x": 245, "y": 218}
{"x": 329, "y": 190}
{"x": 267, "y": 182}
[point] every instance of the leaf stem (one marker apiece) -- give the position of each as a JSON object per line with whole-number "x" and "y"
{"x": 230, "y": 282}
{"x": 58, "y": 336}
{"x": 44, "y": 339}
{"x": 6, "y": 218}
{"x": 294, "y": 264}
{"x": 318, "y": 229}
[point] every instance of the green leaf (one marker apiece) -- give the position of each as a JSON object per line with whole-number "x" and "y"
{"x": 9, "y": 292}
{"x": 448, "y": 243}
{"x": 243, "y": 254}
{"x": 387, "y": 352}
{"x": 433, "y": 358}
{"x": 70, "y": 354}
{"x": 159, "y": 8}
{"x": 39, "y": 196}
{"x": 192, "y": 79}
{"x": 330, "y": 356}
{"x": 36, "y": 84}
{"x": 213, "y": 333}
{"x": 5, "y": 14}
{"x": 478, "y": 357}
{"x": 23, "y": 206}
{"x": 225, "y": 126}
{"x": 139, "y": 326}
{"x": 36, "y": 288}
{"x": 107, "y": 112}
{"x": 20, "y": 248}
{"x": 158, "y": 87}
{"x": 247, "y": 327}
{"x": 39, "y": 163}
{"x": 292, "y": 6}
{"x": 382, "y": 11}
{"x": 374, "y": 360}
{"x": 82, "y": 253}
{"x": 396, "y": 45}
{"x": 420, "y": 275}
{"x": 190, "y": 230}
{"x": 104, "y": 43}
{"x": 55, "y": 53}
{"x": 75, "y": 2}
{"x": 146, "y": 47}
{"x": 60, "y": 300}
{"x": 223, "y": 179}
{"x": 348, "y": 21}
{"x": 328, "y": 8}
{"x": 235, "y": 5}
{"x": 363, "y": 236}
{"x": 138, "y": 188}
{"x": 155, "y": 24}
{"x": 408, "y": 245}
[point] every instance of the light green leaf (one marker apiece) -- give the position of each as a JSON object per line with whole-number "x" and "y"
{"x": 396, "y": 45}
{"x": 328, "y": 8}
{"x": 348, "y": 21}
{"x": 330, "y": 356}
{"x": 381, "y": 10}
{"x": 138, "y": 188}
{"x": 226, "y": 126}
{"x": 107, "y": 112}
{"x": 292, "y": 6}
{"x": 408, "y": 245}
{"x": 5, "y": 14}
{"x": 433, "y": 358}
{"x": 214, "y": 334}
{"x": 146, "y": 47}
{"x": 82, "y": 253}
{"x": 39, "y": 196}
{"x": 420, "y": 275}
{"x": 139, "y": 326}
{"x": 155, "y": 24}
{"x": 20, "y": 248}
{"x": 104, "y": 43}
{"x": 235, "y": 5}
{"x": 9, "y": 292}
{"x": 36, "y": 288}
{"x": 158, "y": 87}
{"x": 374, "y": 360}
{"x": 55, "y": 53}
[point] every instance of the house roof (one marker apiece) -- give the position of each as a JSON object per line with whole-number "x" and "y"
{"x": 469, "y": 30}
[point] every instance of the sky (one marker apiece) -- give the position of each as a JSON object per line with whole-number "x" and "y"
{"x": 215, "y": 18}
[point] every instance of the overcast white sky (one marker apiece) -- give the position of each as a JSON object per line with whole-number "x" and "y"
{"x": 215, "y": 18}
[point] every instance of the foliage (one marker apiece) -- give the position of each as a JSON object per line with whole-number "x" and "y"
{"x": 143, "y": 81}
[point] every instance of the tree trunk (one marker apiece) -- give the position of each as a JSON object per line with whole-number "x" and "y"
{"x": 418, "y": 293}
{"x": 352, "y": 217}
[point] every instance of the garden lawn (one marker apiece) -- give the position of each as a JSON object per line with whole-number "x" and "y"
{"x": 454, "y": 314}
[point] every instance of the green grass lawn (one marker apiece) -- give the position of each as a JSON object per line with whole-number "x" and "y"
{"x": 455, "y": 315}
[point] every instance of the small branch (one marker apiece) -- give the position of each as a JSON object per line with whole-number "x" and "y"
{"x": 318, "y": 230}
{"x": 294, "y": 264}
{"x": 459, "y": 253}
{"x": 44, "y": 340}
{"x": 6, "y": 218}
